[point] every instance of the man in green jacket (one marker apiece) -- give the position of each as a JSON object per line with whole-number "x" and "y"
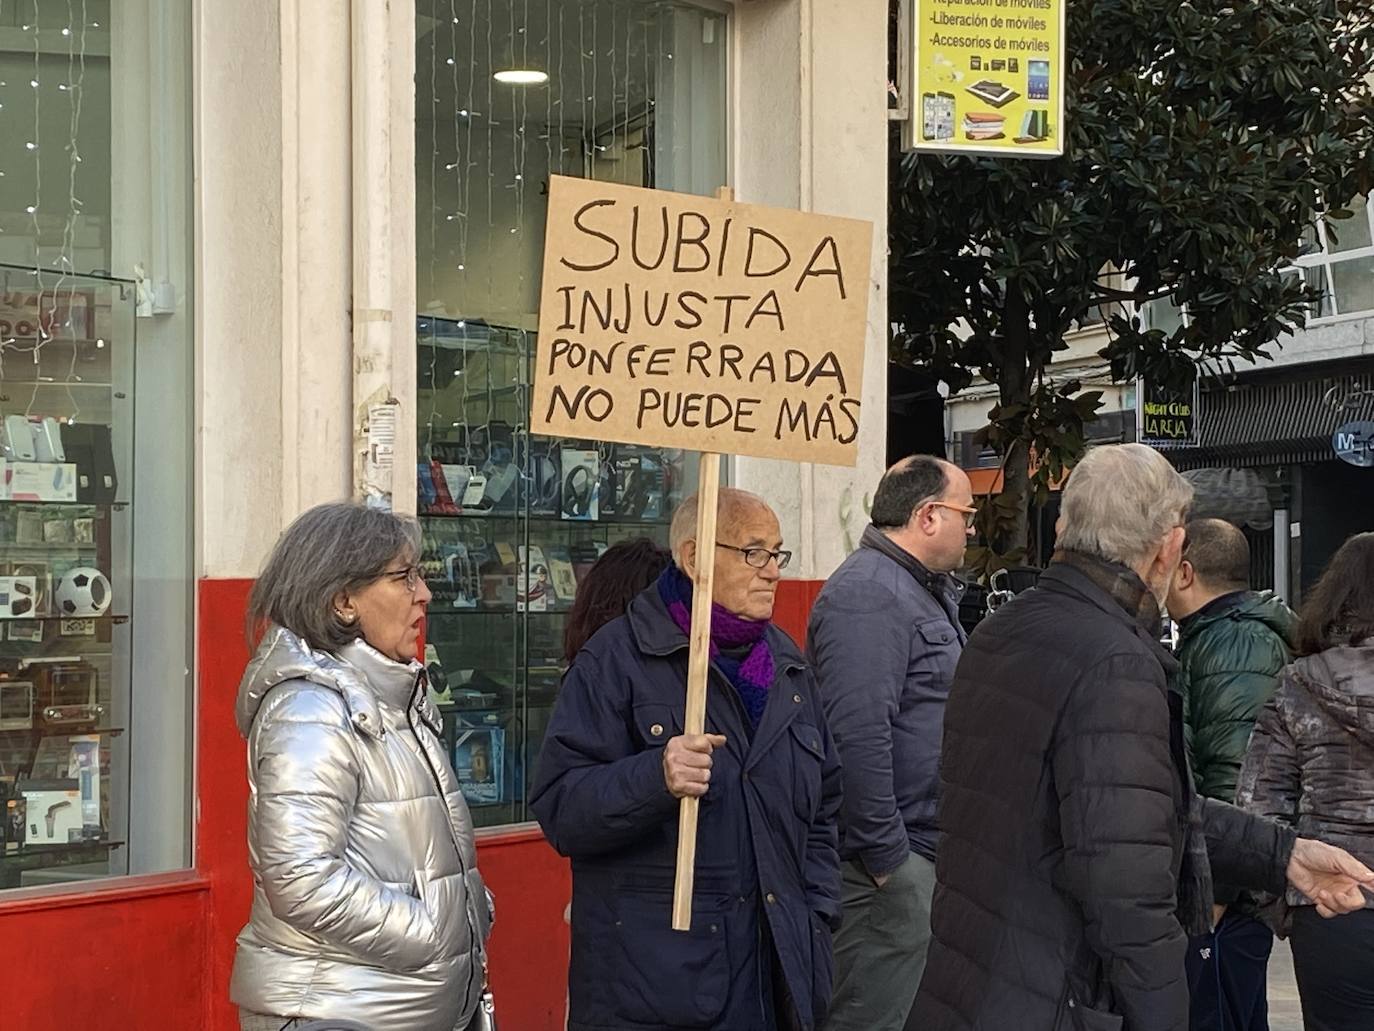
{"x": 1233, "y": 642}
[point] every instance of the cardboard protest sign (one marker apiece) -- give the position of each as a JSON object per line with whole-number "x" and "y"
{"x": 689, "y": 322}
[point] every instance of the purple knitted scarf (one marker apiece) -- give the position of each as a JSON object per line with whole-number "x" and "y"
{"x": 753, "y": 675}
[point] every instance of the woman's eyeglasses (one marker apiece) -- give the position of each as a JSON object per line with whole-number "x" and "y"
{"x": 410, "y": 576}
{"x": 760, "y": 557}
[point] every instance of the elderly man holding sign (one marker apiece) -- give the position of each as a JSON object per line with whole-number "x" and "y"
{"x": 615, "y": 764}
{"x": 687, "y": 769}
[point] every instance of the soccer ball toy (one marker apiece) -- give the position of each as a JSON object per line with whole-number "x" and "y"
{"x": 83, "y": 591}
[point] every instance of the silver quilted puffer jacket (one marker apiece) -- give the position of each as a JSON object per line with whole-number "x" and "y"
{"x": 367, "y": 903}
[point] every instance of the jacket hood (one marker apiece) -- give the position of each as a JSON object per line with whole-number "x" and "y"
{"x": 359, "y": 675}
{"x": 1341, "y": 681}
{"x": 1260, "y": 607}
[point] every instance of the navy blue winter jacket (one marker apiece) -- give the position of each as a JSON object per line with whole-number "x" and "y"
{"x": 884, "y": 647}
{"x": 766, "y": 841}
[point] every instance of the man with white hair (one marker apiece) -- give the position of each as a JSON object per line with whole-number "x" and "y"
{"x": 615, "y": 763}
{"x": 1076, "y": 857}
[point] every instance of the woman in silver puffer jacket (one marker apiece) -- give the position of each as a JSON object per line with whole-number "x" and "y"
{"x": 367, "y": 903}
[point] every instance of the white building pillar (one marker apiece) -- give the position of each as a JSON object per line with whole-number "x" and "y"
{"x": 811, "y": 132}
{"x": 384, "y": 379}
{"x": 305, "y": 260}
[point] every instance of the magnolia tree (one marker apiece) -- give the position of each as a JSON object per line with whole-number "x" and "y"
{"x": 1202, "y": 141}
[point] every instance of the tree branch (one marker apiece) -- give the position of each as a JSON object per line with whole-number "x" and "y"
{"x": 1111, "y": 293}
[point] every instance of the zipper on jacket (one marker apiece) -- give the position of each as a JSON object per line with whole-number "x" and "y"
{"x": 478, "y": 948}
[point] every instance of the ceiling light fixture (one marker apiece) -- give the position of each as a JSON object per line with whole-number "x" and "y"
{"x": 521, "y": 77}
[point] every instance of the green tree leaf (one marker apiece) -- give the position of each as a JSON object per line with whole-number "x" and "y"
{"x": 1202, "y": 140}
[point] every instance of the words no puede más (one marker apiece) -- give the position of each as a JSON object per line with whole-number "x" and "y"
{"x": 639, "y": 335}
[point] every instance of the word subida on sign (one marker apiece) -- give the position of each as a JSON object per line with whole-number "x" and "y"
{"x": 689, "y": 322}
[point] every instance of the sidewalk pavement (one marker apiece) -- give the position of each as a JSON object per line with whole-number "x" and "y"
{"x": 1284, "y": 1012}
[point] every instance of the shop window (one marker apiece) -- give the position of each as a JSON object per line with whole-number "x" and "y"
{"x": 95, "y": 381}
{"x": 509, "y": 93}
{"x": 1339, "y": 260}
{"x": 1338, "y": 263}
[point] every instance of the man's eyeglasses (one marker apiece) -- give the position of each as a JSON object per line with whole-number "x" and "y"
{"x": 410, "y": 576}
{"x": 969, "y": 514}
{"x": 760, "y": 557}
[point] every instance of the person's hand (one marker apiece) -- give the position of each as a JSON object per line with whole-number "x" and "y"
{"x": 687, "y": 763}
{"x": 1329, "y": 876}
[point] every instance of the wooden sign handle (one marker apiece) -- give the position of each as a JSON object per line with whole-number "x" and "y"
{"x": 698, "y": 664}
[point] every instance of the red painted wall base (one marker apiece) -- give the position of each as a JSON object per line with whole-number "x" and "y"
{"x": 792, "y": 606}
{"x": 156, "y": 954}
{"x": 125, "y": 959}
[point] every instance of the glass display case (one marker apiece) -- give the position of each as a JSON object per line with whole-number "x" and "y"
{"x": 635, "y": 94}
{"x": 511, "y": 524}
{"x": 66, "y": 425}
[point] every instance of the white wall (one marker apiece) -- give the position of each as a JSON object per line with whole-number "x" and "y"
{"x": 810, "y": 131}
{"x": 1347, "y": 338}
{"x": 275, "y": 161}
{"x": 239, "y": 280}
{"x": 316, "y": 263}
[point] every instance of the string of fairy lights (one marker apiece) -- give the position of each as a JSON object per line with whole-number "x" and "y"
{"x": 55, "y": 220}
{"x": 518, "y": 90}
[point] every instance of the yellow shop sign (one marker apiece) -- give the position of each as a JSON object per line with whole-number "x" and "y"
{"x": 989, "y": 77}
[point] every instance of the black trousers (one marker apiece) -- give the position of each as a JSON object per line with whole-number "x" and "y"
{"x": 1228, "y": 976}
{"x": 1334, "y": 963}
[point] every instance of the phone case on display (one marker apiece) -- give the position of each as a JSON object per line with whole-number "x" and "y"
{"x": 456, "y": 480}
{"x": 479, "y": 758}
{"x": 19, "y": 439}
{"x": 53, "y": 809}
{"x": 424, "y": 483}
{"x": 639, "y": 484}
{"x": 41, "y": 575}
{"x": 474, "y": 494}
{"x": 505, "y": 554}
{"x": 464, "y": 583}
{"x": 13, "y": 818}
{"x": 18, "y": 596}
{"x": 444, "y": 503}
{"x": 47, "y": 441}
{"x": 67, "y": 693}
{"x": 498, "y": 589}
{"x": 653, "y": 484}
{"x": 584, "y": 555}
{"x": 91, "y": 447}
{"x": 16, "y": 704}
{"x": 534, "y": 587}
{"x": 500, "y": 480}
{"x": 540, "y": 470}
{"x": 674, "y": 464}
{"x": 608, "y": 494}
{"x": 581, "y": 471}
{"x": 564, "y": 579}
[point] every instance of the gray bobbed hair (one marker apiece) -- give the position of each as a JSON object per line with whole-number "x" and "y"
{"x": 331, "y": 548}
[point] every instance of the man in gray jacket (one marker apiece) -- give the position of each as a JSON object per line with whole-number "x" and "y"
{"x": 884, "y": 640}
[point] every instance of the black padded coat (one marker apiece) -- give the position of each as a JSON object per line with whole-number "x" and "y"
{"x": 1065, "y": 809}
